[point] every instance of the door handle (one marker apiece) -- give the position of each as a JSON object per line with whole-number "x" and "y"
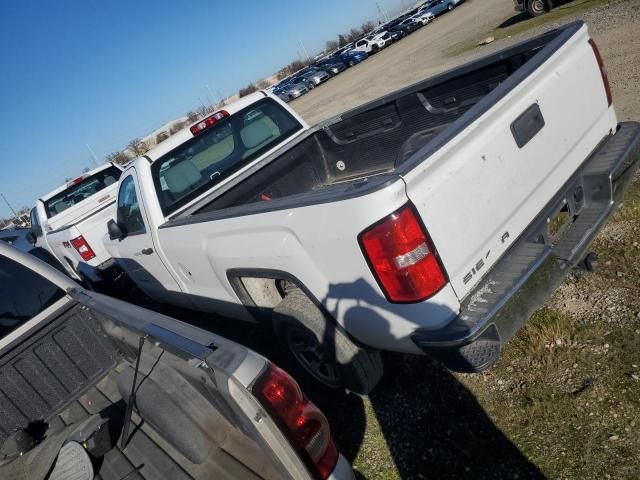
{"x": 147, "y": 251}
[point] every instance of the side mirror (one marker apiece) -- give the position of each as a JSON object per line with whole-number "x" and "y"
{"x": 31, "y": 238}
{"x": 115, "y": 232}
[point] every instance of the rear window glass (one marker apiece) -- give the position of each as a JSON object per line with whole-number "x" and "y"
{"x": 80, "y": 191}
{"x": 216, "y": 153}
{"x": 23, "y": 295}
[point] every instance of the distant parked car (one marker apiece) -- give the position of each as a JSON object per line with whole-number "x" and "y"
{"x": 438, "y": 7}
{"x": 288, "y": 91}
{"x": 396, "y": 34}
{"x": 332, "y": 66}
{"x": 312, "y": 78}
{"x": 352, "y": 58}
{"x": 20, "y": 239}
{"x": 424, "y": 17}
{"x": 371, "y": 44}
{"x": 407, "y": 26}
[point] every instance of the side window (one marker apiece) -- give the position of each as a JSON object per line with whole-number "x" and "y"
{"x": 129, "y": 216}
{"x": 23, "y": 295}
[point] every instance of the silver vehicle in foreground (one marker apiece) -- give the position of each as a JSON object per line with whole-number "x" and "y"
{"x": 94, "y": 387}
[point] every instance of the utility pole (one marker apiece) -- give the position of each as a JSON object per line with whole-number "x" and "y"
{"x": 93, "y": 155}
{"x": 383, "y": 14}
{"x": 304, "y": 49}
{"x": 8, "y": 204}
{"x": 211, "y": 93}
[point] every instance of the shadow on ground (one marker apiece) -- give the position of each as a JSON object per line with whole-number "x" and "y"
{"x": 518, "y": 18}
{"x": 432, "y": 425}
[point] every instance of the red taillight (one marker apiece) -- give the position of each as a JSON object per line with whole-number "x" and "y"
{"x": 83, "y": 248}
{"x": 299, "y": 419}
{"x": 209, "y": 121}
{"x": 603, "y": 71}
{"x": 75, "y": 181}
{"x": 402, "y": 257}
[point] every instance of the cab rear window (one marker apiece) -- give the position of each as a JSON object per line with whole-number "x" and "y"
{"x": 83, "y": 189}
{"x": 217, "y": 152}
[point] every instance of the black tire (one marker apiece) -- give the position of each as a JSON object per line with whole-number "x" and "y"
{"x": 450, "y": 7}
{"x": 375, "y": 49}
{"x": 311, "y": 86}
{"x": 536, "y": 7}
{"x": 46, "y": 257}
{"x": 305, "y": 331}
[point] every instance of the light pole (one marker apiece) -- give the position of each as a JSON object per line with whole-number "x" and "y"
{"x": 8, "y": 204}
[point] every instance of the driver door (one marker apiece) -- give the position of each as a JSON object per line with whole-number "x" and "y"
{"x": 137, "y": 252}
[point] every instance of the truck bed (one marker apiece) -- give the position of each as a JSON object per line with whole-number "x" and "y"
{"x": 361, "y": 149}
{"x": 72, "y": 369}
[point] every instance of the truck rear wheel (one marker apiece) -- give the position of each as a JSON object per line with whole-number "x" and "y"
{"x": 536, "y": 7}
{"x": 324, "y": 352}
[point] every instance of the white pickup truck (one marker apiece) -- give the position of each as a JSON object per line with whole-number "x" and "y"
{"x": 70, "y": 223}
{"x": 433, "y": 220}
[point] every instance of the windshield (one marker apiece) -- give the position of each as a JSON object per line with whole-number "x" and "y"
{"x": 207, "y": 159}
{"x": 78, "y": 192}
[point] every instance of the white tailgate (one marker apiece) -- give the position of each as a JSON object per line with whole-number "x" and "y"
{"x": 480, "y": 191}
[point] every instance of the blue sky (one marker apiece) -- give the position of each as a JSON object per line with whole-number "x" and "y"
{"x": 77, "y": 73}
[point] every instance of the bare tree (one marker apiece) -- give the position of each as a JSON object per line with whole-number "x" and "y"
{"x": 263, "y": 84}
{"x": 192, "y": 116}
{"x": 331, "y": 45}
{"x": 161, "y": 137}
{"x": 138, "y": 147}
{"x": 367, "y": 27}
{"x": 177, "y": 126}
{"x": 118, "y": 157}
{"x": 202, "y": 111}
{"x": 354, "y": 34}
{"x": 243, "y": 92}
{"x": 342, "y": 41}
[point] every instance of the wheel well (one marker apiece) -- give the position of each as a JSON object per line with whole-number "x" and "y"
{"x": 261, "y": 290}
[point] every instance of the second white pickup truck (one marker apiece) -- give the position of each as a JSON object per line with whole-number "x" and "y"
{"x": 70, "y": 222}
{"x": 433, "y": 220}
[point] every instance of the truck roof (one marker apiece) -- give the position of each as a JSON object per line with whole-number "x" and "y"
{"x": 185, "y": 134}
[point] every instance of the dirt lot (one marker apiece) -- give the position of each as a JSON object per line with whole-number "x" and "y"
{"x": 428, "y": 52}
{"x": 564, "y": 401}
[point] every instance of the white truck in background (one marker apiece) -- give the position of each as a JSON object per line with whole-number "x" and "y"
{"x": 434, "y": 220}
{"x": 70, "y": 222}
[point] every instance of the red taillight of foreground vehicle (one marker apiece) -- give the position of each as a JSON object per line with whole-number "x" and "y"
{"x": 402, "y": 257}
{"x": 83, "y": 248}
{"x": 299, "y": 419}
{"x": 209, "y": 121}
{"x": 603, "y": 71}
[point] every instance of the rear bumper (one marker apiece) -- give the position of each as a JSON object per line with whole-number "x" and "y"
{"x": 106, "y": 273}
{"x": 537, "y": 263}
